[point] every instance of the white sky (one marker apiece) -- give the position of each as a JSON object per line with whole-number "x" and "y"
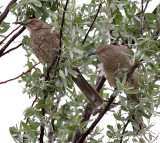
{"x": 13, "y": 101}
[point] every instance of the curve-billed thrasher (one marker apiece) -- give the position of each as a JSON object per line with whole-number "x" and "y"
{"x": 111, "y": 60}
{"x": 45, "y": 45}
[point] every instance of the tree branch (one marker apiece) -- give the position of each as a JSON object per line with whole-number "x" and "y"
{"x": 61, "y": 35}
{"x": 9, "y": 35}
{"x": 57, "y": 7}
{"x": 42, "y": 126}
{"x": 89, "y": 109}
{"x": 11, "y": 49}
{"x": 124, "y": 129}
{"x": 29, "y": 70}
{"x": 24, "y": 138}
{"x": 11, "y": 40}
{"x": 90, "y": 129}
{"x": 100, "y": 5}
{"x": 5, "y": 13}
{"x": 143, "y": 17}
{"x": 156, "y": 138}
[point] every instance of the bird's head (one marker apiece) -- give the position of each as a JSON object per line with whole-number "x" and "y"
{"x": 33, "y": 24}
{"x": 100, "y": 52}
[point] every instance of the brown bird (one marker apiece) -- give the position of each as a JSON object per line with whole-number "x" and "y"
{"x": 111, "y": 60}
{"x": 45, "y": 45}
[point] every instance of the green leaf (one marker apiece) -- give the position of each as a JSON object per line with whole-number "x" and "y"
{"x": 4, "y": 27}
{"x": 36, "y": 3}
{"x": 16, "y": 134}
{"x": 110, "y": 127}
{"x": 40, "y": 104}
{"x": 78, "y": 51}
{"x": 25, "y": 126}
{"x": 131, "y": 91}
{"x": 72, "y": 128}
{"x": 150, "y": 16}
{"x": 29, "y": 112}
{"x": 128, "y": 53}
{"x": 34, "y": 125}
{"x": 141, "y": 140}
{"x": 61, "y": 74}
{"x": 117, "y": 117}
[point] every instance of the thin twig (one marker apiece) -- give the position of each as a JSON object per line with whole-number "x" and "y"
{"x": 124, "y": 129}
{"x": 9, "y": 35}
{"x": 11, "y": 40}
{"x": 29, "y": 70}
{"x": 57, "y": 7}
{"x": 156, "y": 138}
{"x": 11, "y": 49}
{"x": 124, "y": 41}
{"x": 24, "y": 138}
{"x": 61, "y": 35}
{"x": 55, "y": 109}
{"x": 157, "y": 33}
{"x": 120, "y": 35}
{"x": 100, "y": 5}
{"x": 146, "y": 6}
{"x": 5, "y": 13}
{"x": 34, "y": 101}
{"x": 143, "y": 18}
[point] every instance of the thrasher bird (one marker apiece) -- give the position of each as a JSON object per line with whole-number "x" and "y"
{"x": 46, "y": 44}
{"x": 112, "y": 59}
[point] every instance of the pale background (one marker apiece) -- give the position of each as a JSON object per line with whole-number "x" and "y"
{"x": 13, "y": 101}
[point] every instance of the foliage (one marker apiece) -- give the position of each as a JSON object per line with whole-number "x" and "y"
{"x": 118, "y": 22}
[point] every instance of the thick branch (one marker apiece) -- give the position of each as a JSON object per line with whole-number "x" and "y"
{"x": 90, "y": 129}
{"x": 11, "y": 40}
{"x": 100, "y": 5}
{"x": 5, "y": 13}
{"x": 89, "y": 109}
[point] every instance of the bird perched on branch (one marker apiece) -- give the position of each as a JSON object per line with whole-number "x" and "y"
{"x": 46, "y": 44}
{"x": 112, "y": 59}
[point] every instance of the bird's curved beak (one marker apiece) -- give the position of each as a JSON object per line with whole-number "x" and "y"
{"x": 93, "y": 53}
{"x": 21, "y": 23}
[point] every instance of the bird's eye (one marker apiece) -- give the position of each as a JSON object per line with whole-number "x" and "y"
{"x": 33, "y": 21}
{"x": 103, "y": 50}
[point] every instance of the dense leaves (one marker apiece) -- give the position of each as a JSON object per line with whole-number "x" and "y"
{"x": 118, "y": 22}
